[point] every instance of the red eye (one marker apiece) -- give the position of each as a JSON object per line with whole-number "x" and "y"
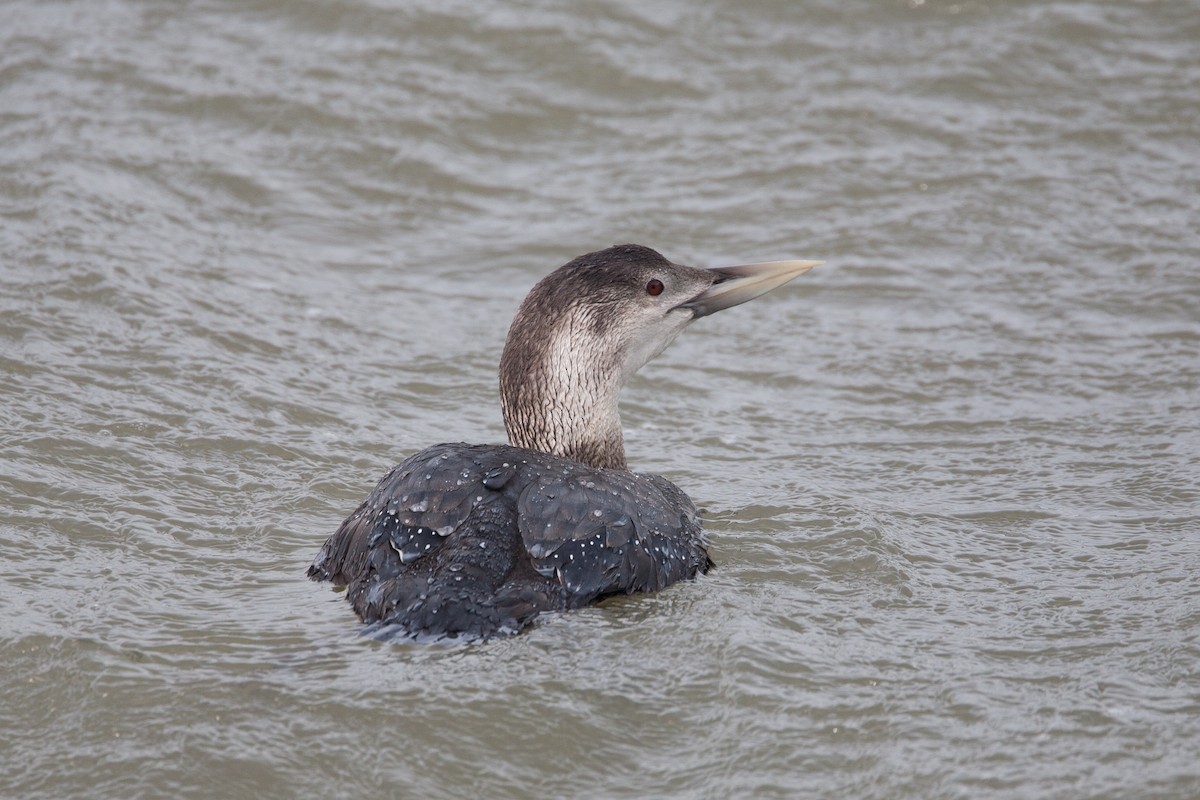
{"x": 654, "y": 287}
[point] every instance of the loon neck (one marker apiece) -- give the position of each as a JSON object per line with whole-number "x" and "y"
{"x": 558, "y": 402}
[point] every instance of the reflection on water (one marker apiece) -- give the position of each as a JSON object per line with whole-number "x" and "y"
{"x": 252, "y": 255}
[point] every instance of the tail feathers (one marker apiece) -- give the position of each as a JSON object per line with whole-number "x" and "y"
{"x": 402, "y": 608}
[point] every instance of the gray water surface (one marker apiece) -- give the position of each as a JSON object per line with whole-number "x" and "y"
{"x": 253, "y": 254}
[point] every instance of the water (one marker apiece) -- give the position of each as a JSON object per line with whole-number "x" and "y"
{"x": 252, "y": 254}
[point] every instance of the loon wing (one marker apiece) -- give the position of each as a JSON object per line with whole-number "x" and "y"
{"x": 600, "y": 532}
{"x": 434, "y": 553}
{"x": 410, "y": 512}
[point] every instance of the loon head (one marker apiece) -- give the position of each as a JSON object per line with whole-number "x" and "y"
{"x": 585, "y": 328}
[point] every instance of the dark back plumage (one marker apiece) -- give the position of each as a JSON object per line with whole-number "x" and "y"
{"x": 477, "y": 540}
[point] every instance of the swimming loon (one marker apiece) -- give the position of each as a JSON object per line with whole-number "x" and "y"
{"x": 471, "y": 541}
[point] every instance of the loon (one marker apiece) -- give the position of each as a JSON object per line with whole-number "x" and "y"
{"x": 466, "y": 542}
